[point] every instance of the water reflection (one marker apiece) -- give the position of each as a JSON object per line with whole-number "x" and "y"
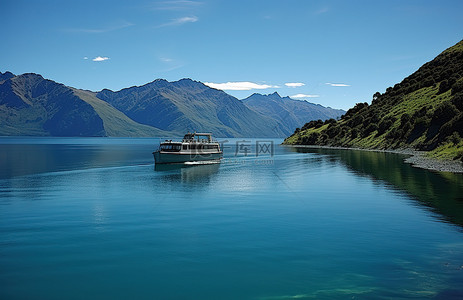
{"x": 187, "y": 173}
{"x": 442, "y": 192}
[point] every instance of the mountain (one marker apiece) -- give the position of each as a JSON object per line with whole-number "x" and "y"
{"x": 188, "y": 105}
{"x": 424, "y": 111}
{"x": 289, "y": 112}
{"x": 5, "y": 76}
{"x": 32, "y": 105}
{"x": 116, "y": 123}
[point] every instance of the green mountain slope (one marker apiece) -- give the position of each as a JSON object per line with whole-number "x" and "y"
{"x": 115, "y": 123}
{"x": 32, "y": 105}
{"x": 289, "y": 112}
{"x": 424, "y": 111}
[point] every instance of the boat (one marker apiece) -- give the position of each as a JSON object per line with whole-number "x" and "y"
{"x": 195, "y": 148}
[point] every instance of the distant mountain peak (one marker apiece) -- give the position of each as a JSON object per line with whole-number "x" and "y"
{"x": 272, "y": 96}
{"x": 38, "y": 76}
{"x": 7, "y": 73}
{"x": 5, "y": 76}
{"x": 188, "y": 82}
{"x": 275, "y": 95}
{"x": 290, "y": 113}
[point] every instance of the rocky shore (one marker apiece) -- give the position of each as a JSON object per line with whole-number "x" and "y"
{"x": 416, "y": 158}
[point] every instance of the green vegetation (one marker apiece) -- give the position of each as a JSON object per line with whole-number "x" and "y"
{"x": 424, "y": 111}
{"x": 115, "y": 123}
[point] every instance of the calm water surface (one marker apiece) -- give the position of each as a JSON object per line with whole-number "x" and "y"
{"x": 92, "y": 218}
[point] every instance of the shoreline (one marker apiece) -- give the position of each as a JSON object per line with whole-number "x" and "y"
{"x": 416, "y": 158}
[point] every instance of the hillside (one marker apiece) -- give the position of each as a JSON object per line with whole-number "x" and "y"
{"x": 32, "y": 105}
{"x": 115, "y": 123}
{"x": 289, "y": 112}
{"x": 424, "y": 112}
{"x": 188, "y": 105}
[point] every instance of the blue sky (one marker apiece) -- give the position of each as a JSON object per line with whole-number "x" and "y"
{"x": 335, "y": 53}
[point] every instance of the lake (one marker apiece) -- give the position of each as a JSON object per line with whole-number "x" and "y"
{"x": 88, "y": 218}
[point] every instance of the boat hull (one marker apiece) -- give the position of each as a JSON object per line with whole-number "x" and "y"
{"x": 180, "y": 158}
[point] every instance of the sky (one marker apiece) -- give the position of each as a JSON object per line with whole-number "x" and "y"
{"x": 333, "y": 53}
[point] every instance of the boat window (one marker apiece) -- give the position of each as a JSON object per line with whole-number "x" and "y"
{"x": 185, "y": 147}
{"x": 171, "y": 147}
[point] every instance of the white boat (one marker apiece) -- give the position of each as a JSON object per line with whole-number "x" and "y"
{"x": 194, "y": 148}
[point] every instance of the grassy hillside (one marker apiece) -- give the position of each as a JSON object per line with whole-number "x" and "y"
{"x": 115, "y": 123}
{"x": 32, "y": 105}
{"x": 424, "y": 111}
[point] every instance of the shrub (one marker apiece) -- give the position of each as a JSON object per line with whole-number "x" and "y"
{"x": 443, "y": 87}
{"x": 370, "y": 128}
{"x": 455, "y": 138}
{"x": 313, "y": 124}
{"x": 385, "y": 124}
{"x": 351, "y": 112}
{"x": 404, "y": 118}
{"x": 444, "y": 113}
{"x": 330, "y": 121}
{"x": 333, "y": 131}
{"x": 457, "y": 87}
{"x": 457, "y": 100}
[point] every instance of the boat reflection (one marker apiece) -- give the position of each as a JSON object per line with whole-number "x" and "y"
{"x": 189, "y": 173}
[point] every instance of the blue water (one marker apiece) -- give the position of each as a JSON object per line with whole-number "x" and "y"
{"x": 88, "y": 218}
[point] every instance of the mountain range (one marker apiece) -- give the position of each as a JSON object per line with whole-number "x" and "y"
{"x": 288, "y": 111}
{"x": 34, "y": 106}
{"x": 424, "y": 112}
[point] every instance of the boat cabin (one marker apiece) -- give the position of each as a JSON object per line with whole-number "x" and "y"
{"x": 197, "y": 137}
{"x": 170, "y": 146}
{"x": 196, "y": 142}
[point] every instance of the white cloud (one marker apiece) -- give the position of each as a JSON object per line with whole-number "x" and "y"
{"x": 85, "y": 57}
{"x": 294, "y": 84}
{"x": 304, "y": 96}
{"x": 170, "y": 63}
{"x": 180, "y": 21}
{"x": 337, "y": 84}
{"x": 239, "y": 86}
{"x": 322, "y": 10}
{"x": 185, "y": 20}
{"x": 99, "y": 58}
